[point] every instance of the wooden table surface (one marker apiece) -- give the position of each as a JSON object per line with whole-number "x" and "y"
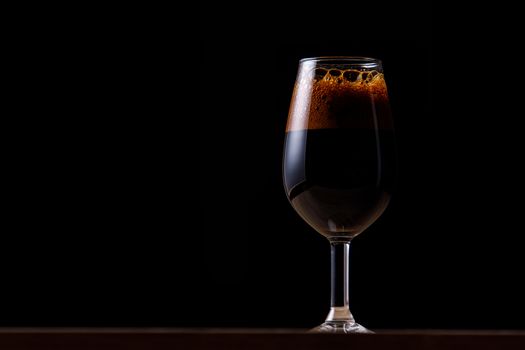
{"x": 231, "y": 339}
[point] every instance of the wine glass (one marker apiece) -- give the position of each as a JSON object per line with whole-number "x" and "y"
{"x": 339, "y": 161}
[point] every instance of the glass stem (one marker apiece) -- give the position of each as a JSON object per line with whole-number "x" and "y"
{"x": 339, "y": 309}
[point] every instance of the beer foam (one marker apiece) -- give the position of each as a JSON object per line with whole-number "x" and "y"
{"x": 333, "y": 98}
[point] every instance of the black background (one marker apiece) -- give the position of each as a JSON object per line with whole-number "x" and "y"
{"x": 445, "y": 254}
{"x": 102, "y": 225}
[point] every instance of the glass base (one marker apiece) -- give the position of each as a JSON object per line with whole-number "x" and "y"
{"x": 340, "y": 327}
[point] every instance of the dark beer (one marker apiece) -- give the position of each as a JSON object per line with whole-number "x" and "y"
{"x": 338, "y": 157}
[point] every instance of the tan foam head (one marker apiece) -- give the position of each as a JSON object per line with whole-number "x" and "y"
{"x": 339, "y": 98}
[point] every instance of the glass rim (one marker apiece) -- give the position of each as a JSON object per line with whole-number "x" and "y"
{"x": 359, "y": 61}
{"x": 356, "y": 59}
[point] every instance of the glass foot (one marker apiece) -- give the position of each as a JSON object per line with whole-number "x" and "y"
{"x": 340, "y": 327}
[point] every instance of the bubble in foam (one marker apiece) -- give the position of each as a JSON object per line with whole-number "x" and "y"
{"x": 334, "y": 73}
{"x": 320, "y": 73}
{"x": 372, "y": 74}
{"x": 351, "y": 75}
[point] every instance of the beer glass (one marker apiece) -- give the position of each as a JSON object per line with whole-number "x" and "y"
{"x": 339, "y": 161}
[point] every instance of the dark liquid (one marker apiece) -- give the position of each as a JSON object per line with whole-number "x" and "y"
{"x": 339, "y": 180}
